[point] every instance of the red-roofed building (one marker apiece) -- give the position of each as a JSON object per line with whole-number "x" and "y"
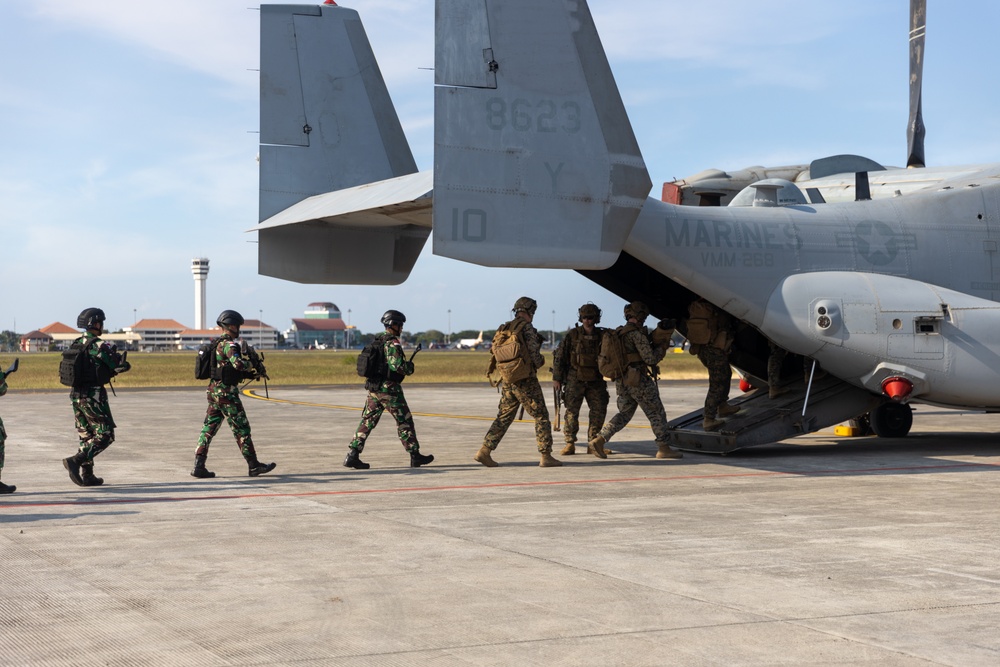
{"x": 63, "y": 334}
{"x": 36, "y": 341}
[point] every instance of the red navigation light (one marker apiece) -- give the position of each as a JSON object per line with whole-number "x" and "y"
{"x": 330, "y": 2}
{"x": 897, "y": 388}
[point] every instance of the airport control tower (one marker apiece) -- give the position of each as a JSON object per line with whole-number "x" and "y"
{"x": 199, "y": 267}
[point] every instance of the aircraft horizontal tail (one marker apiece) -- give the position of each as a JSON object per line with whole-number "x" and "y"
{"x": 535, "y": 161}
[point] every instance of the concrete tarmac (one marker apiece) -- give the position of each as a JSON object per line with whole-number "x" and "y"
{"x": 819, "y": 550}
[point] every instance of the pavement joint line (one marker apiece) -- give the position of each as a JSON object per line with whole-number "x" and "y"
{"x": 252, "y": 393}
{"x": 497, "y": 485}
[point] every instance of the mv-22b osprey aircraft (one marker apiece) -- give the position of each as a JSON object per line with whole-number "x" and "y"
{"x": 536, "y": 165}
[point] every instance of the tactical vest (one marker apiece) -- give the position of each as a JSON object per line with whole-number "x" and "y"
{"x": 583, "y": 352}
{"x": 632, "y": 356}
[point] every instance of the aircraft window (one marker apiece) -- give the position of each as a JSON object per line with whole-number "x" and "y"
{"x": 897, "y": 324}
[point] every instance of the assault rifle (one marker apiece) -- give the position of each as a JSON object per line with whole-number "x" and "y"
{"x": 557, "y": 395}
{"x": 12, "y": 369}
{"x": 256, "y": 360}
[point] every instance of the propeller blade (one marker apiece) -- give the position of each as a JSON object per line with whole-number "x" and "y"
{"x": 915, "y": 129}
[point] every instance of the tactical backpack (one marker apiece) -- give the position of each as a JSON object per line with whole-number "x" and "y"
{"x": 79, "y": 369}
{"x": 702, "y": 323}
{"x": 509, "y": 352}
{"x": 612, "y": 360}
{"x": 372, "y": 364}
{"x": 205, "y": 364}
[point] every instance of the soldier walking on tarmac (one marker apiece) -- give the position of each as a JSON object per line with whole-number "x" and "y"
{"x": 637, "y": 387}
{"x": 385, "y": 392}
{"x": 575, "y": 374}
{"x": 516, "y": 356}
{"x": 710, "y": 332}
{"x": 92, "y": 365}
{"x": 224, "y": 399}
{"x": 4, "y": 488}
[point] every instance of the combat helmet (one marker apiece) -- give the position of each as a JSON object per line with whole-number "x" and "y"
{"x": 590, "y": 310}
{"x": 638, "y": 310}
{"x": 391, "y": 317}
{"x": 89, "y": 317}
{"x": 229, "y": 318}
{"x": 527, "y": 304}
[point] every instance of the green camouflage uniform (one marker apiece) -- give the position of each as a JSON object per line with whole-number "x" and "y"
{"x": 526, "y": 392}
{"x": 575, "y": 366}
{"x": 388, "y": 395}
{"x": 224, "y": 401}
{"x": 91, "y": 411}
{"x": 646, "y": 395}
{"x": 3, "y": 433}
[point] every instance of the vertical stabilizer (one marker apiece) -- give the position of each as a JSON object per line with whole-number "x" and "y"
{"x": 535, "y": 162}
{"x": 326, "y": 119}
{"x": 327, "y": 125}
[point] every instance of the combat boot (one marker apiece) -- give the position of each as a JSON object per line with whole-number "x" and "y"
{"x": 72, "y": 464}
{"x": 6, "y": 488}
{"x": 87, "y": 475}
{"x": 200, "y": 471}
{"x": 548, "y": 461}
{"x": 726, "y": 409}
{"x": 483, "y": 456}
{"x": 596, "y": 447}
{"x": 665, "y": 451}
{"x": 353, "y": 460}
{"x": 568, "y": 450}
{"x": 417, "y": 459}
{"x": 257, "y": 468}
{"x": 711, "y": 423}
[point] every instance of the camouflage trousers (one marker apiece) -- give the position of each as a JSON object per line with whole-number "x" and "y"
{"x": 645, "y": 396}
{"x": 597, "y": 396}
{"x": 528, "y": 393}
{"x": 224, "y": 402}
{"x": 393, "y": 401}
{"x": 94, "y": 424}
{"x": 720, "y": 378}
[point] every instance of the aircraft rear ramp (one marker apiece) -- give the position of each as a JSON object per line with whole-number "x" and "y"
{"x": 762, "y": 420}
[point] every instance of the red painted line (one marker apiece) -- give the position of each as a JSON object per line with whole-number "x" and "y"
{"x": 498, "y": 485}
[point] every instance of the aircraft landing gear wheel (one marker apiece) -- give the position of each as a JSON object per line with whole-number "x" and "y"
{"x": 892, "y": 420}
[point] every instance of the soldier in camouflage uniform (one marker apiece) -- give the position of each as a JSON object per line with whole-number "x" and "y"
{"x": 714, "y": 355}
{"x": 91, "y": 411}
{"x": 386, "y": 393}
{"x": 574, "y": 372}
{"x": 224, "y": 400}
{"x": 526, "y": 391}
{"x": 4, "y": 488}
{"x": 637, "y": 388}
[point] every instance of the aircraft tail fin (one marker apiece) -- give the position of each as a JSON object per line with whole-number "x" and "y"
{"x": 327, "y": 123}
{"x": 535, "y": 161}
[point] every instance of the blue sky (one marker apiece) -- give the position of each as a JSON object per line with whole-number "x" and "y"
{"x": 129, "y": 145}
